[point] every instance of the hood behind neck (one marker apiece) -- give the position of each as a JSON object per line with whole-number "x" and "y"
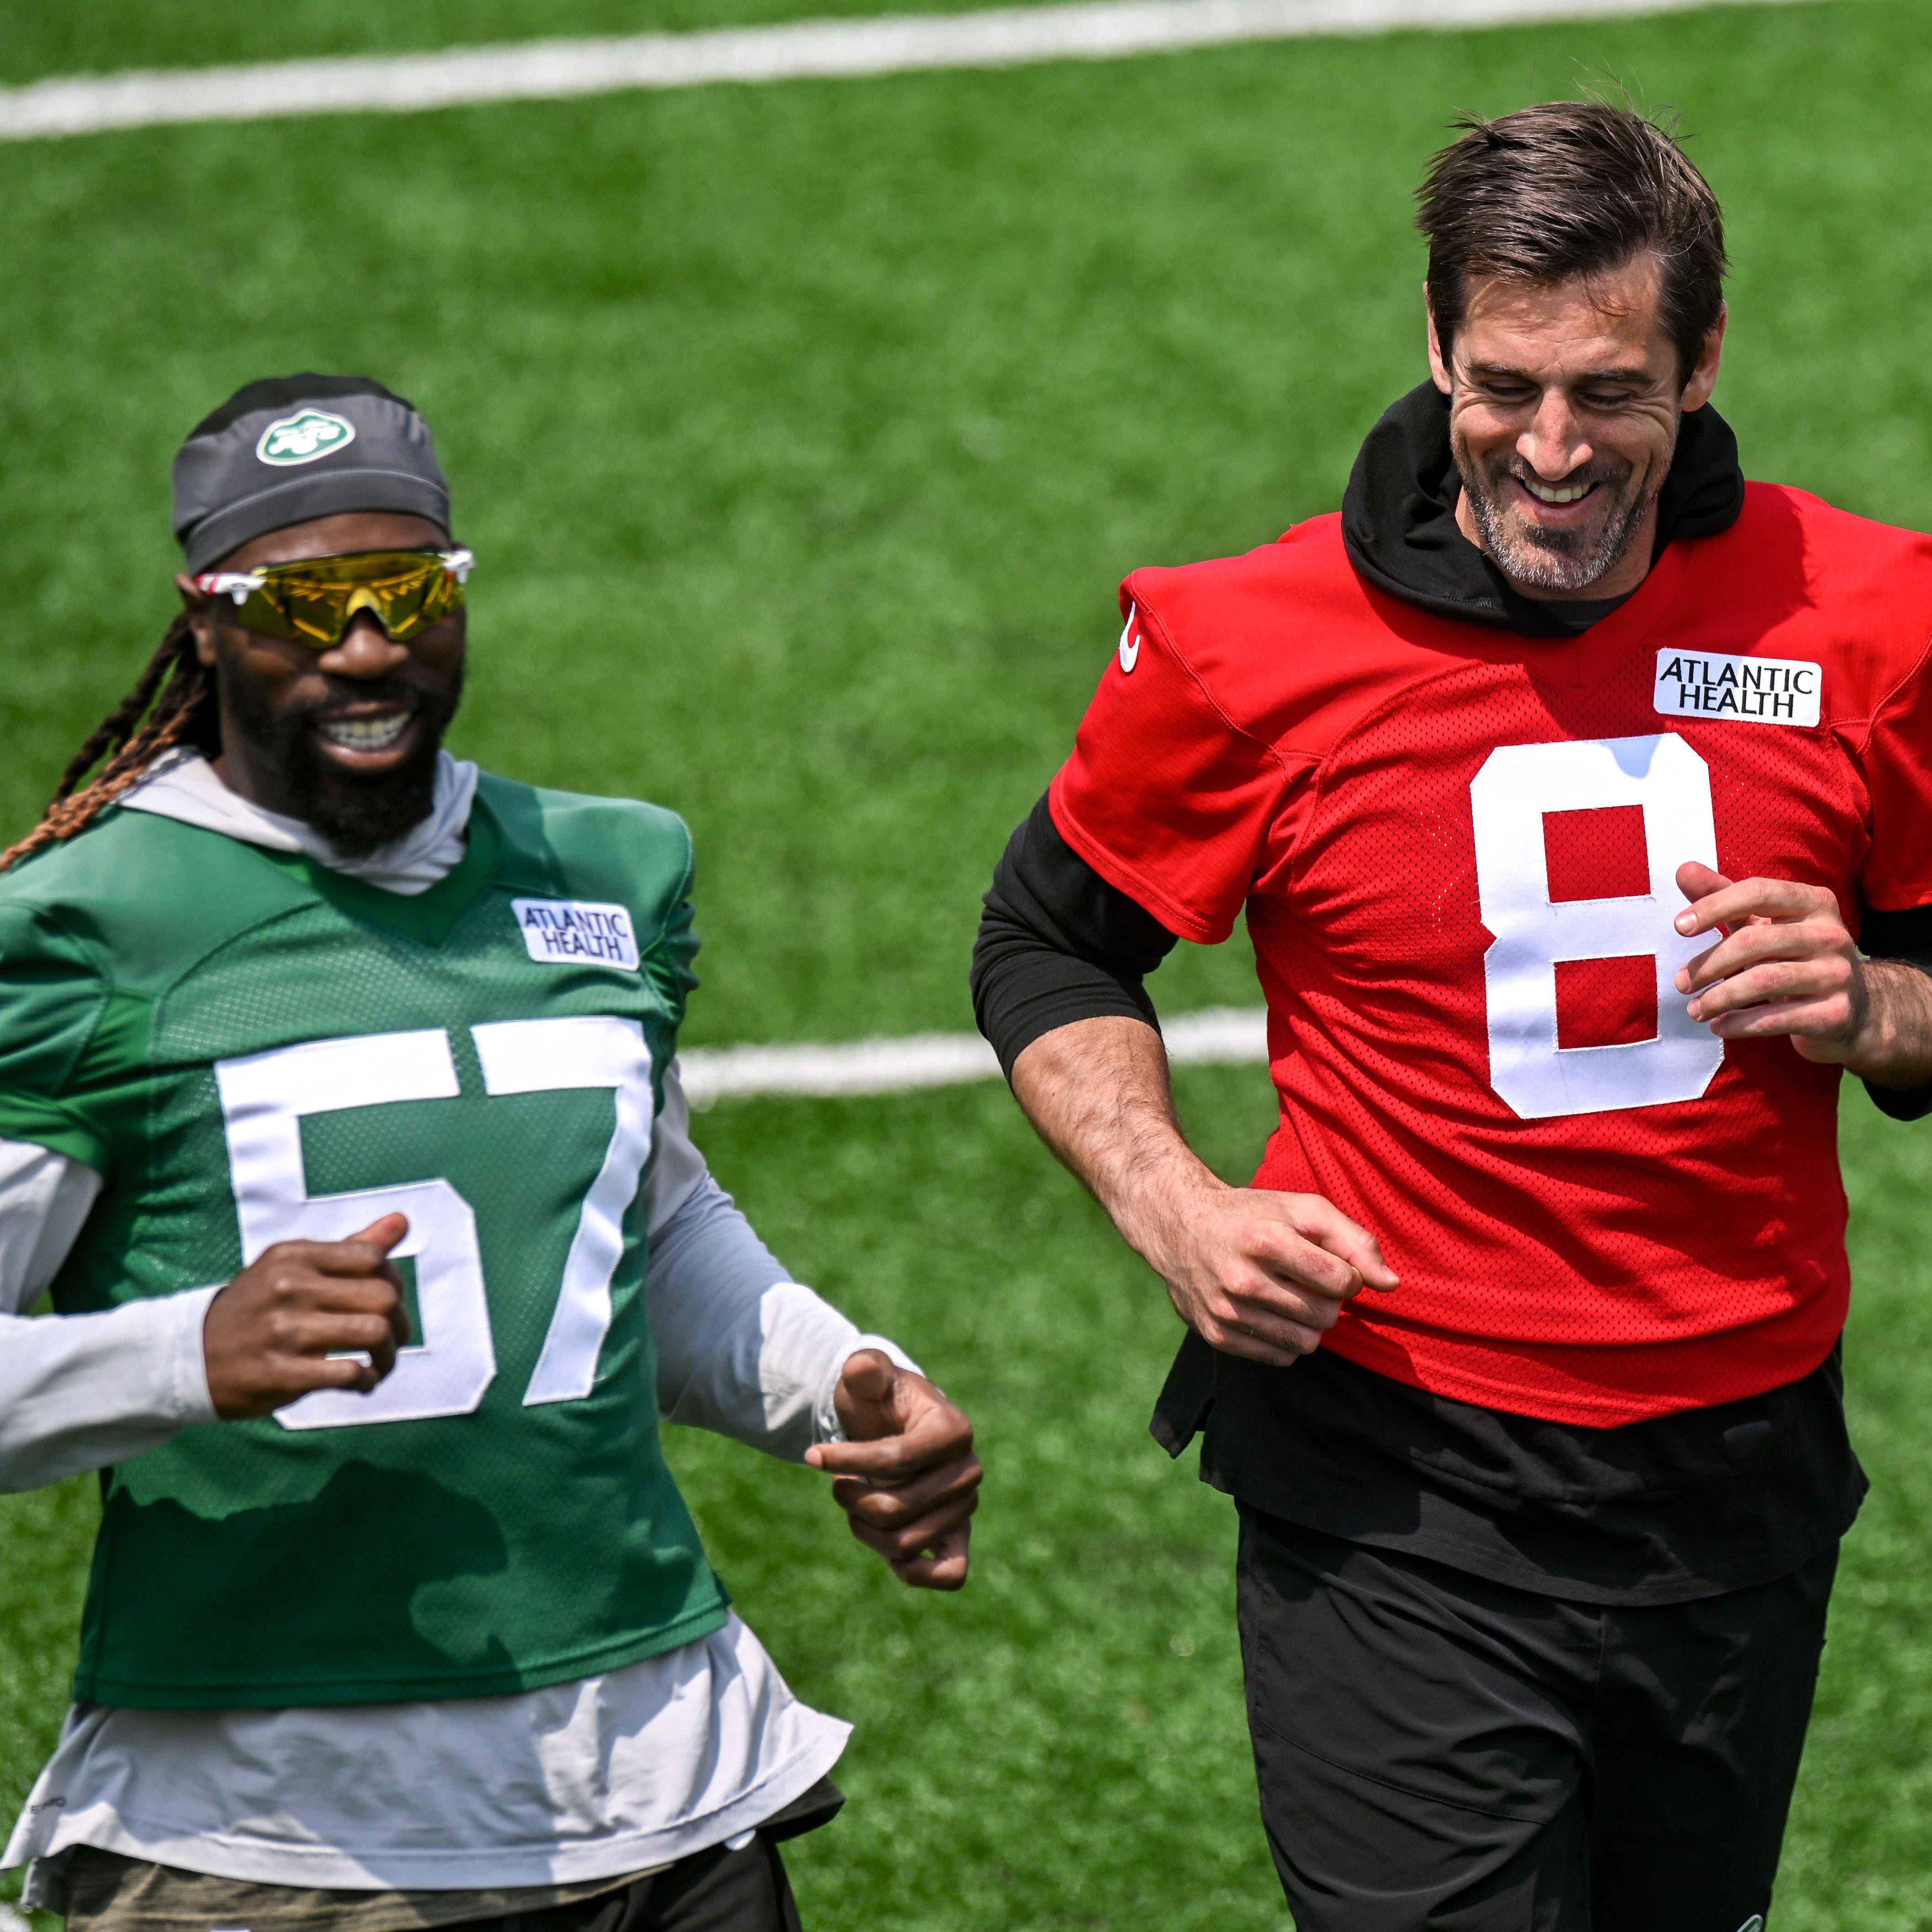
{"x": 182, "y": 784}
{"x": 1399, "y": 515}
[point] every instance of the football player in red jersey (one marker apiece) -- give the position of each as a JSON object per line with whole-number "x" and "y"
{"x": 1576, "y": 793}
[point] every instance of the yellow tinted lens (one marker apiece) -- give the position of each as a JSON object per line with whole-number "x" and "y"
{"x": 407, "y": 590}
{"x": 259, "y": 611}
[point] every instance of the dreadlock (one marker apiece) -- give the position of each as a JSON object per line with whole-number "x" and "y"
{"x": 174, "y": 695}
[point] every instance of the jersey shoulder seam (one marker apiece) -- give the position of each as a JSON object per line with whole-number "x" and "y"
{"x": 1884, "y": 702}
{"x": 99, "y": 965}
{"x": 1269, "y": 750}
{"x": 624, "y": 808}
{"x": 687, "y": 876}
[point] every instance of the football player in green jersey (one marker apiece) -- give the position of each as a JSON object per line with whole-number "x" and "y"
{"x": 340, "y": 1112}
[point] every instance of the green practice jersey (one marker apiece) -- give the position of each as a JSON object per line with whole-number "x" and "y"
{"x": 251, "y": 1049}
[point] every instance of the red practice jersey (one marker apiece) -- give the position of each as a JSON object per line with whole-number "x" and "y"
{"x": 1457, "y": 847}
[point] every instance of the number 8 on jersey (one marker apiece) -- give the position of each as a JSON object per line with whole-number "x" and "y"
{"x": 1534, "y": 931}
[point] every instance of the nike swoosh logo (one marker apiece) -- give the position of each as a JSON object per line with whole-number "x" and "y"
{"x": 1130, "y": 645}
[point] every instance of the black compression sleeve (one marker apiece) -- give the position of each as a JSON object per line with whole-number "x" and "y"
{"x": 1907, "y": 936}
{"x": 1058, "y": 943}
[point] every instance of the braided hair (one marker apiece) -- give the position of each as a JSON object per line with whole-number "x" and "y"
{"x": 172, "y": 702}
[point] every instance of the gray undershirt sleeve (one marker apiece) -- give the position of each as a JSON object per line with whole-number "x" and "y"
{"x": 78, "y": 1392}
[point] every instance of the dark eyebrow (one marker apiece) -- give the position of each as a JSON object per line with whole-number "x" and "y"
{"x": 1635, "y": 378}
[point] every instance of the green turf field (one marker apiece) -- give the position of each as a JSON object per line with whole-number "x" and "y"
{"x": 803, "y": 432}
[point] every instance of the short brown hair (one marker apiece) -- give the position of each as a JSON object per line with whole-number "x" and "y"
{"x": 1570, "y": 189}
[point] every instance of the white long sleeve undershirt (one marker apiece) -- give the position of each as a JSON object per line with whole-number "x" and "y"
{"x": 78, "y": 1392}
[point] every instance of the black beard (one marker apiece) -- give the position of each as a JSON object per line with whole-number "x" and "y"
{"x": 1562, "y": 560}
{"x": 356, "y": 815}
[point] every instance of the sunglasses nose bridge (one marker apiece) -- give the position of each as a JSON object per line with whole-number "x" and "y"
{"x": 361, "y": 599}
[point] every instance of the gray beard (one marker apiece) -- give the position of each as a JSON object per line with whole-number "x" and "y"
{"x": 1565, "y": 560}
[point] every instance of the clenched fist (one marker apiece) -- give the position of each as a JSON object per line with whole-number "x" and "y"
{"x": 284, "y": 1326}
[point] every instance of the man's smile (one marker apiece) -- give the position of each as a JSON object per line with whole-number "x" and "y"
{"x": 1556, "y": 493}
{"x": 366, "y": 736}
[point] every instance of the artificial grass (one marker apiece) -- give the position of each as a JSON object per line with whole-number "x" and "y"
{"x": 38, "y": 40}
{"x": 1061, "y": 1744}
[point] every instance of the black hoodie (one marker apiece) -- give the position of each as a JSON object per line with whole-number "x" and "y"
{"x": 1664, "y": 1511}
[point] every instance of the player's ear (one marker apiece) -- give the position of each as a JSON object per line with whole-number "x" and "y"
{"x": 194, "y": 601}
{"x": 1439, "y": 366}
{"x": 1704, "y": 375}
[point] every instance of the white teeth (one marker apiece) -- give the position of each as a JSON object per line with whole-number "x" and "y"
{"x": 1550, "y": 493}
{"x": 365, "y": 734}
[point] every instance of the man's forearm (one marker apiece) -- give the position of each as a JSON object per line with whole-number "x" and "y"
{"x": 742, "y": 1349}
{"x": 81, "y": 1391}
{"x": 1895, "y": 1047}
{"x": 1098, "y": 1093}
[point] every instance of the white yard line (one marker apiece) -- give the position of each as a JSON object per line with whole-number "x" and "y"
{"x": 1223, "y": 1036}
{"x": 553, "y": 70}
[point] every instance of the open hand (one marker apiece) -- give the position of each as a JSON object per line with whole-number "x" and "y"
{"x": 280, "y": 1329}
{"x": 1785, "y": 964}
{"x": 906, "y": 1477}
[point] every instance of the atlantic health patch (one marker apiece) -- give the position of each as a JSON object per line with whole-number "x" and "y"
{"x": 1766, "y": 691}
{"x": 568, "y": 932}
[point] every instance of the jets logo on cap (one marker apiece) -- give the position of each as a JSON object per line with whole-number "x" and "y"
{"x": 303, "y": 437}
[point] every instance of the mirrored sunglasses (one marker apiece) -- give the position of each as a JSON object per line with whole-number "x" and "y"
{"x": 312, "y": 602}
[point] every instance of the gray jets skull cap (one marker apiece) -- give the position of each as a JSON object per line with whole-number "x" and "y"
{"x": 294, "y": 448}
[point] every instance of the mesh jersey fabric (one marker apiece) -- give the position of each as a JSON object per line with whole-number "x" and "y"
{"x": 174, "y": 1006}
{"x": 1598, "y": 1214}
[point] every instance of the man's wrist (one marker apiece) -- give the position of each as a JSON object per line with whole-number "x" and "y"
{"x": 1154, "y": 1197}
{"x": 187, "y": 1355}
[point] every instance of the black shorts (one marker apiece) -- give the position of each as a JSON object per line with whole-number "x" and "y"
{"x": 1436, "y": 1750}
